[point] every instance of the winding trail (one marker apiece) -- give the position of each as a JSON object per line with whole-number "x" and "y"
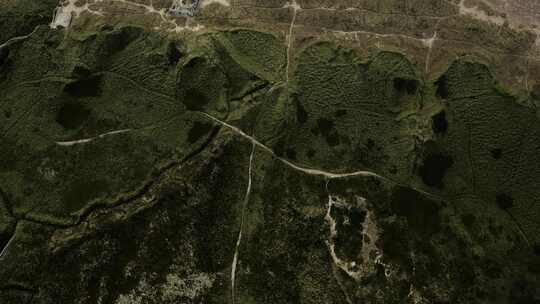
{"x": 17, "y": 39}
{"x": 312, "y": 171}
{"x": 290, "y": 37}
{"x": 4, "y": 250}
{"x": 429, "y": 44}
{"x": 330, "y": 175}
{"x": 239, "y": 240}
{"x": 87, "y": 140}
{"x": 309, "y": 171}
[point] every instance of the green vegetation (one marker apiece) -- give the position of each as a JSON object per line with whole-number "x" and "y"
{"x": 116, "y": 186}
{"x": 345, "y": 113}
{"x": 491, "y": 143}
{"x": 20, "y": 17}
